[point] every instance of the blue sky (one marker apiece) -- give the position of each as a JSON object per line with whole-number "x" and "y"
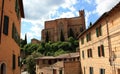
{"x": 39, "y": 11}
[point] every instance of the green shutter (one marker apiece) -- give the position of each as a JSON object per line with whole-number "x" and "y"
{"x": 90, "y": 36}
{"x": 83, "y": 54}
{"x": 19, "y": 62}
{"x": 60, "y": 71}
{"x": 90, "y": 52}
{"x": 97, "y": 32}
{"x": 6, "y": 25}
{"x": 87, "y": 37}
{"x": 82, "y": 40}
{"x": 16, "y": 6}
{"x": 102, "y": 48}
{"x": 99, "y": 51}
{"x": 100, "y": 30}
{"x": 91, "y": 70}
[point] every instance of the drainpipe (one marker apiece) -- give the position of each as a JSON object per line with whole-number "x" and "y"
{"x": 109, "y": 46}
{"x": 109, "y": 42}
{"x": 1, "y": 19}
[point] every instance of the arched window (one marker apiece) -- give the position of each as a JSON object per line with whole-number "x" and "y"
{"x": 3, "y": 69}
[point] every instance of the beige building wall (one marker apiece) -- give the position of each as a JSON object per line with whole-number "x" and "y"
{"x": 110, "y": 38}
{"x": 114, "y": 32}
{"x": 95, "y": 61}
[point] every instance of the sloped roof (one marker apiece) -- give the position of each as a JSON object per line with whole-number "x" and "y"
{"x": 68, "y": 55}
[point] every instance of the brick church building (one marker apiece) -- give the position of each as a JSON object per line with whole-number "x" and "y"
{"x": 61, "y": 29}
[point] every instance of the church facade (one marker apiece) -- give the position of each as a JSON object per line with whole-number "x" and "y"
{"x": 63, "y": 28}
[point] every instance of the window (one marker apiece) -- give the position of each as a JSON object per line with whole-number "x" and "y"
{"x": 82, "y": 40}
{"x": 98, "y": 31}
{"x": 60, "y": 71}
{"x": 6, "y": 25}
{"x": 102, "y": 71}
{"x": 17, "y": 8}
{"x": 43, "y": 62}
{"x": 49, "y": 62}
{"x": 15, "y": 34}
{"x": 83, "y": 55}
{"x": 13, "y": 61}
{"x": 84, "y": 70}
{"x": 19, "y": 62}
{"x": 89, "y": 52}
{"x": 3, "y": 68}
{"x": 101, "y": 51}
{"x": 91, "y": 70}
{"x": 88, "y": 37}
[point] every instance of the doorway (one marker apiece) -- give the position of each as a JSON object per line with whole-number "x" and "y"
{"x": 3, "y": 69}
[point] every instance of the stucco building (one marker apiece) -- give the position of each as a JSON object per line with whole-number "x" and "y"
{"x": 100, "y": 44}
{"x": 11, "y": 12}
{"x": 54, "y": 30}
{"x": 63, "y": 64}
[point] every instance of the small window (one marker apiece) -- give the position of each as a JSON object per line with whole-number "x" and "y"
{"x": 19, "y": 62}
{"x": 15, "y": 34}
{"x": 84, "y": 71}
{"x": 83, "y": 55}
{"x": 17, "y": 8}
{"x": 60, "y": 71}
{"x": 91, "y": 70}
{"x": 88, "y": 37}
{"x": 6, "y": 25}
{"x": 82, "y": 40}
{"x": 89, "y": 52}
{"x": 43, "y": 61}
{"x": 101, "y": 51}
{"x": 98, "y": 31}
{"x": 102, "y": 71}
{"x": 13, "y": 61}
{"x": 49, "y": 62}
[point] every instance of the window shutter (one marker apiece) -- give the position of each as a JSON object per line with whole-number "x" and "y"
{"x": 16, "y": 6}
{"x": 19, "y": 62}
{"x": 89, "y": 36}
{"x": 99, "y": 51}
{"x": 91, "y": 70}
{"x": 102, "y": 71}
{"x": 102, "y": 48}
{"x": 83, "y": 54}
{"x": 6, "y": 24}
{"x": 90, "y": 52}
{"x": 100, "y": 30}
{"x": 13, "y": 62}
{"x": 97, "y": 32}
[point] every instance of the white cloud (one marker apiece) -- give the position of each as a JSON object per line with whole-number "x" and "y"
{"x": 39, "y": 11}
{"x": 106, "y": 5}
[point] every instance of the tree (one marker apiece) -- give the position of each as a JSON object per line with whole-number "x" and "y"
{"x": 59, "y": 52}
{"x": 70, "y": 33}
{"x": 62, "y": 36}
{"x": 25, "y": 39}
{"x": 23, "y": 42}
{"x": 90, "y": 24}
{"x": 47, "y": 37}
{"x": 30, "y": 62}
